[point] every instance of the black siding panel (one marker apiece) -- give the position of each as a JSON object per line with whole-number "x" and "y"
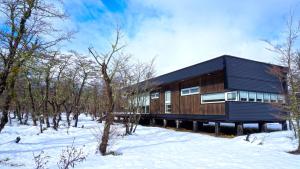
{"x": 251, "y": 75}
{"x": 243, "y": 111}
{"x": 238, "y": 83}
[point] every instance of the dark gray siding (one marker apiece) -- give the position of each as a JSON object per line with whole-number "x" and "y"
{"x": 242, "y": 111}
{"x": 243, "y": 74}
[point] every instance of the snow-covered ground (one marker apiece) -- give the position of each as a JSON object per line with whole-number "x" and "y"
{"x": 150, "y": 147}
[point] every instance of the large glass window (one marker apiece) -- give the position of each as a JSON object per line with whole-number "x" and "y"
{"x": 267, "y": 97}
{"x": 213, "y": 97}
{"x": 252, "y": 96}
{"x": 190, "y": 91}
{"x": 243, "y": 96}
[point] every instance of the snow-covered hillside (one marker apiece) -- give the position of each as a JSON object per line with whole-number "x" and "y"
{"x": 150, "y": 147}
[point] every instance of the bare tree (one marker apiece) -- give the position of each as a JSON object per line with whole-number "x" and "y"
{"x": 289, "y": 56}
{"x": 110, "y": 63}
{"x": 26, "y": 24}
{"x": 86, "y": 69}
{"x": 136, "y": 95}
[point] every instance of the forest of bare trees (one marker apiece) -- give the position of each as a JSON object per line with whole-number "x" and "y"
{"x": 40, "y": 84}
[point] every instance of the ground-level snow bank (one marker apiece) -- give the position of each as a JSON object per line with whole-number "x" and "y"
{"x": 151, "y": 147}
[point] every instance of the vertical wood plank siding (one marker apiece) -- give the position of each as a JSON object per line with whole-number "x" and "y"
{"x": 191, "y": 104}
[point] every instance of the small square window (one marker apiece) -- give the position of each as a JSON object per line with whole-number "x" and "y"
{"x": 232, "y": 96}
{"x": 155, "y": 95}
{"x": 243, "y": 96}
{"x": 259, "y": 97}
{"x": 281, "y": 99}
{"x": 252, "y": 96}
{"x": 273, "y": 98}
{"x": 267, "y": 97}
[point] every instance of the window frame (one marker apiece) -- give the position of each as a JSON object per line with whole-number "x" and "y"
{"x": 235, "y": 92}
{"x": 209, "y": 102}
{"x": 189, "y": 89}
{"x": 281, "y": 98}
{"x": 247, "y": 97}
{"x": 269, "y": 100}
{"x": 261, "y": 98}
{"x": 255, "y": 96}
{"x": 154, "y": 95}
{"x": 274, "y": 95}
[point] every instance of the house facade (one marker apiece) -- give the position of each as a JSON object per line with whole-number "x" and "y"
{"x": 224, "y": 89}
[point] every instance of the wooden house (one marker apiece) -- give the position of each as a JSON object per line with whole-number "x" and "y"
{"x": 223, "y": 89}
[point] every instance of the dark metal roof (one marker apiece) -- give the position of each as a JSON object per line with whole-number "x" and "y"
{"x": 237, "y": 67}
{"x": 190, "y": 72}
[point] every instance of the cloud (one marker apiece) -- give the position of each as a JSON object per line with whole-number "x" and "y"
{"x": 194, "y": 31}
{"x": 182, "y": 33}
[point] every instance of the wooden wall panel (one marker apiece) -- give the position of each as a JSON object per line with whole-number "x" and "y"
{"x": 191, "y": 104}
{"x": 175, "y": 98}
{"x": 212, "y": 109}
{"x": 162, "y": 101}
{"x": 154, "y": 106}
{"x": 213, "y": 82}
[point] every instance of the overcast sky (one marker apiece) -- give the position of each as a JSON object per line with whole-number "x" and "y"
{"x": 180, "y": 33}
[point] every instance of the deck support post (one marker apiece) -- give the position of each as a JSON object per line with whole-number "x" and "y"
{"x": 195, "y": 126}
{"x": 165, "y": 123}
{"x": 284, "y": 125}
{"x": 262, "y": 127}
{"x": 217, "y": 128}
{"x": 177, "y": 124}
{"x": 200, "y": 125}
{"x": 239, "y": 127}
{"x": 153, "y": 122}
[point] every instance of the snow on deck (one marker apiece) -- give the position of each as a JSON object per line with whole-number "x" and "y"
{"x": 151, "y": 147}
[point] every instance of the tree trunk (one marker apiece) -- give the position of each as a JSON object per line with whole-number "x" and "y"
{"x": 105, "y": 136}
{"x": 109, "y": 116}
{"x": 18, "y": 111}
{"x": 46, "y": 113}
{"x": 26, "y": 118}
{"x": 41, "y": 124}
{"x": 8, "y": 99}
{"x": 76, "y": 119}
{"x": 33, "y": 111}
